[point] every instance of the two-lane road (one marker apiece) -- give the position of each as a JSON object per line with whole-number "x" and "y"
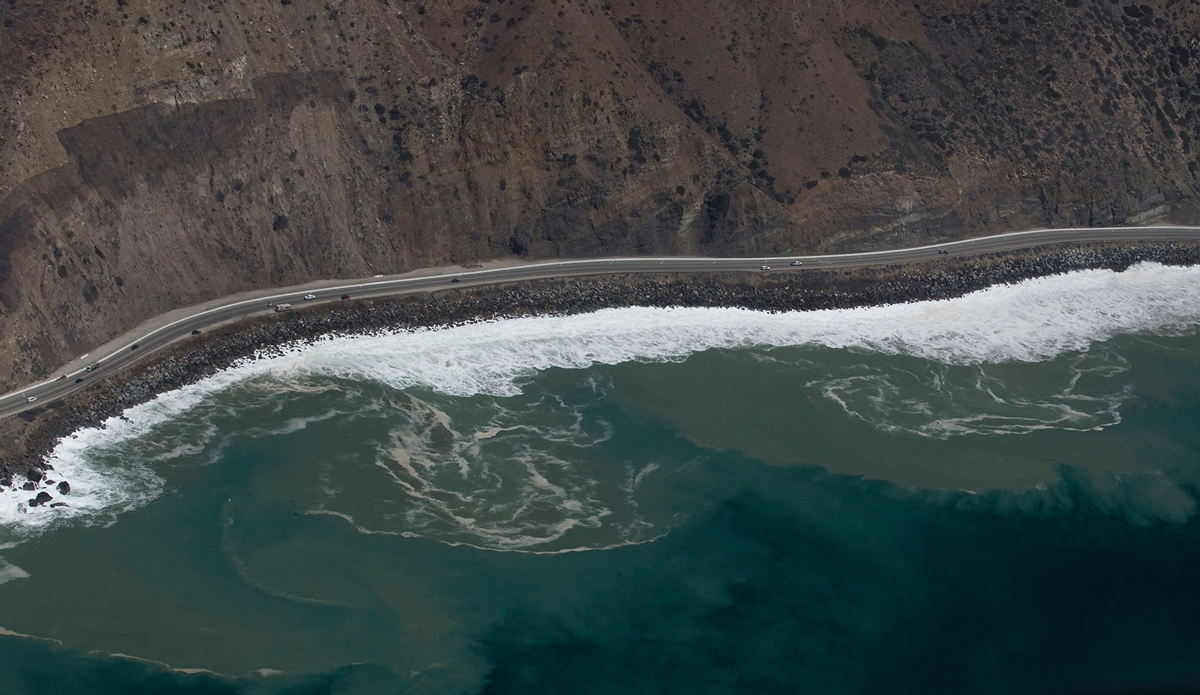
{"x": 158, "y": 333}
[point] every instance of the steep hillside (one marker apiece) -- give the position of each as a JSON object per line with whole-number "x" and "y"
{"x": 156, "y": 154}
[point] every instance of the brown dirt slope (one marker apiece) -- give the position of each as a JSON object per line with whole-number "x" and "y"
{"x": 157, "y": 154}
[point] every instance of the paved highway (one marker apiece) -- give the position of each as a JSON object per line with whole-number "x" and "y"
{"x": 154, "y": 335}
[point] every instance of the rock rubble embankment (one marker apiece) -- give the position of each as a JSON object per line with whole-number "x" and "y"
{"x": 193, "y": 360}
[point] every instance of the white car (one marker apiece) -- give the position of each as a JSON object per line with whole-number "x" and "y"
{"x": 31, "y": 399}
{"x": 309, "y": 296}
{"x": 797, "y": 263}
{"x": 764, "y": 267}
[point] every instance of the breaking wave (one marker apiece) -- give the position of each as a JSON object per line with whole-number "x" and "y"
{"x": 1032, "y": 321}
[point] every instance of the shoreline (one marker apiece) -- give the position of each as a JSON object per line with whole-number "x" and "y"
{"x": 39, "y": 430}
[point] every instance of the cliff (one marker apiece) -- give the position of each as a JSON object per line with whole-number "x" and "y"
{"x": 154, "y": 155}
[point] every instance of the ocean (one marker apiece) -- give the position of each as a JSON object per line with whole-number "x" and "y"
{"x": 989, "y": 494}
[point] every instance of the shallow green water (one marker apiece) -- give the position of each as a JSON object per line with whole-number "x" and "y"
{"x": 793, "y": 519}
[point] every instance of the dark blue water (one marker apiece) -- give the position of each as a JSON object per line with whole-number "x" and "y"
{"x": 779, "y": 580}
{"x": 746, "y": 520}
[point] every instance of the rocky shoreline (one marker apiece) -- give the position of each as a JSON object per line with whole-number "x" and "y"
{"x": 39, "y": 430}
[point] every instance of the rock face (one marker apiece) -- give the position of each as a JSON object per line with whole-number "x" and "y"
{"x": 153, "y": 156}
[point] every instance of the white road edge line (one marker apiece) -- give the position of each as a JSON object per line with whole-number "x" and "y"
{"x": 636, "y": 259}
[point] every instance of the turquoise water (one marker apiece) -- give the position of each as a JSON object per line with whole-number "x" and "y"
{"x": 994, "y": 494}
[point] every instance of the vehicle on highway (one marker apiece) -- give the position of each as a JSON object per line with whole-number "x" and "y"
{"x": 795, "y": 263}
{"x": 764, "y": 267}
{"x": 31, "y": 399}
{"x": 79, "y": 380}
{"x": 454, "y": 280}
{"x": 196, "y": 332}
{"x": 307, "y": 297}
{"x": 89, "y": 368}
{"x": 345, "y": 296}
{"x": 133, "y": 347}
{"x": 942, "y": 252}
{"x": 282, "y": 307}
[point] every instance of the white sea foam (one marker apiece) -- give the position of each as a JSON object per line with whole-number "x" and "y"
{"x": 502, "y": 487}
{"x": 1031, "y": 321}
{"x": 937, "y": 400}
{"x": 9, "y": 572}
{"x": 100, "y": 492}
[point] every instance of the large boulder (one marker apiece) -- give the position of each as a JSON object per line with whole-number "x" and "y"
{"x": 64, "y": 488}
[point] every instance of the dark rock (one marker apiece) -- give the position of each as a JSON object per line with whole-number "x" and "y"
{"x": 64, "y": 488}
{"x": 33, "y": 474}
{"x": 29, "y": 486}
{"x": 43, "y": 497}
{"x": 59, "y": 504}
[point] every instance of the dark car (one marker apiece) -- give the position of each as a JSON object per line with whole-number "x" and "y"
{"x": 133, "y": 347}
{"x": 345, "y": 296}
{"x": 454, "y": 280}
{"x": 196, "y": 332}
{"x": 79, "y": 380}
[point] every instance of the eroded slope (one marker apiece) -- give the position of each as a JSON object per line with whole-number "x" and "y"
{"x": 154, "y": 155}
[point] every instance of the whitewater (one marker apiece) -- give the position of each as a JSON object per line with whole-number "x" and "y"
{"x": 1031, "y": 321}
